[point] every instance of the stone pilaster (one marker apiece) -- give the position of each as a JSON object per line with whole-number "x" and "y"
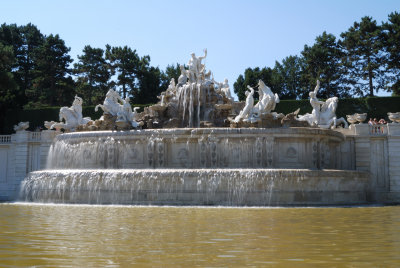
{"x": 394, "y": 156}
{"x": 21, "y": 158}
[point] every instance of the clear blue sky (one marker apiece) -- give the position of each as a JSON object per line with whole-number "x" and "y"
{"x": 237, "y": 34}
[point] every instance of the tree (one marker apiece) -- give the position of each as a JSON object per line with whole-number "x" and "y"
{"x": 151, "y": 85}
{"x": 362, "y": 45}
{"x": 322, "y": 61}
{"x": 391, "y": 31}
{"x": 151, "y": 82}
{"x": 24, "y": 40}
{"x": 53, "y": 84}
{"x": 93, "y": 74}
{"x": 239, "y": 88}
{"x": 287, "y": 78}
{"x": 124, "y": 62}
{"x": 8, "y": 86}
{"x": 172, "y": 72}
{"x": 251, "y": 77}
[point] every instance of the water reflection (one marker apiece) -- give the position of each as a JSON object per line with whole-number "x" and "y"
{"x": 114, "y": 236}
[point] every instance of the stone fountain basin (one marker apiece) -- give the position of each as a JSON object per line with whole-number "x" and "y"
{"x": 226, "y": 187}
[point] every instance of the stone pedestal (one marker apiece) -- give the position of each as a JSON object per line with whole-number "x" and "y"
{"x": 361, "y": 129}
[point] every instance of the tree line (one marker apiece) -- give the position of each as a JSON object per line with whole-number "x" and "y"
{"x": 365, "y": 59}
{"x": 36, "y": 71}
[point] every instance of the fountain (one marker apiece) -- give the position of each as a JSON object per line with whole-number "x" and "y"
{"x": 198, "y": 147}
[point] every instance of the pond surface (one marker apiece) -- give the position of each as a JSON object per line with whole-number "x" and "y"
{"x": 124, "y": 236}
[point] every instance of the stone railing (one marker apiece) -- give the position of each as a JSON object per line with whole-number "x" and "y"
{"x": 35, "y": 136}
{"x": 378, "y": 130}
{"x": 5, "y": 138}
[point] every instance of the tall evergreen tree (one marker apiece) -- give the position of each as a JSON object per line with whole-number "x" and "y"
{"x": 24, "y": 40}
{"x": 172, "y": 72}
{"x": 32, "y": 39}
{"x": 151, "y": 85}
{"x": 287, "y": 78}
{"x": 93, "y": 75}
{"x": 125, "y": 63}
{"x": 53, "y": 84}
{"x": 8, "y": 86}
{"x": 250, "y": 78}
{"x": 362, "y": 44}
{"x": 151, "y": 82}
{"x": 392, "y": 48}
{"x": 323, "y": 61}
{"x": 239, "y": 88}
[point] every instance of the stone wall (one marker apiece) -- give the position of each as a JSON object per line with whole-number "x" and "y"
{"x": 376, "y": 149}
{"x": 20, "y": 154}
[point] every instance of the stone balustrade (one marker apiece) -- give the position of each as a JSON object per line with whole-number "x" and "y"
{"x": 5, "y": 138}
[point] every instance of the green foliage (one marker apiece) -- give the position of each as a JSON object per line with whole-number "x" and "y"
{"x": 391, "y": 34}
{"x": 289, "y": 106}
{"x": 239, "y": 88}
{"x": 251, "y": 77}
{"x": 172, "y": 72}
{"x": 323, "y": 61}
{"x": 364, "y": 61}
{"x": 284, "y": 79}
{"x": 25, "y": 40}
{"x": 8, "y": 86}
{"x": 135, "y": 76}
{"x": 51, "y": 85}
{"x": 151, "y": 85}
{"x": 379, "y": 107}
{"x": 287, "y": 78}
{"x": 93, "y": 75}
{"x": 364, "y": 58}
{"x": 125, "y": 63}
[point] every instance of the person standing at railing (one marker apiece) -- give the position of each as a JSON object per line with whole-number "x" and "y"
{"x": 371, "y": 122}
{"x": 382, "y": 121}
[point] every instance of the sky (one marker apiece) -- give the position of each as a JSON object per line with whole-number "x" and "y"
{"x": 237, "y": 34}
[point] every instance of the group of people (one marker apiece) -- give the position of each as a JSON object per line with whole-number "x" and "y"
{"x": 374, "y": 121}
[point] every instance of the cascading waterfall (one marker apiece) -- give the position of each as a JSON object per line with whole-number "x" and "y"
{"x": 192, "y": 96}
{"x": 205, "y": 186}
{"x": 185, "y": 167}
{"x": 192, "y": 87}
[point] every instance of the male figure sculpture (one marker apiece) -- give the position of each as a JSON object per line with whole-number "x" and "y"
{"x": 195, "y": 66}
{"x": 224, "y": 89}
{"x": 316, "y": 104}
{"x": 72, "y": 116}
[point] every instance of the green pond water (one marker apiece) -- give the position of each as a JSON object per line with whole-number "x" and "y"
{"x": 130, "y": 236}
